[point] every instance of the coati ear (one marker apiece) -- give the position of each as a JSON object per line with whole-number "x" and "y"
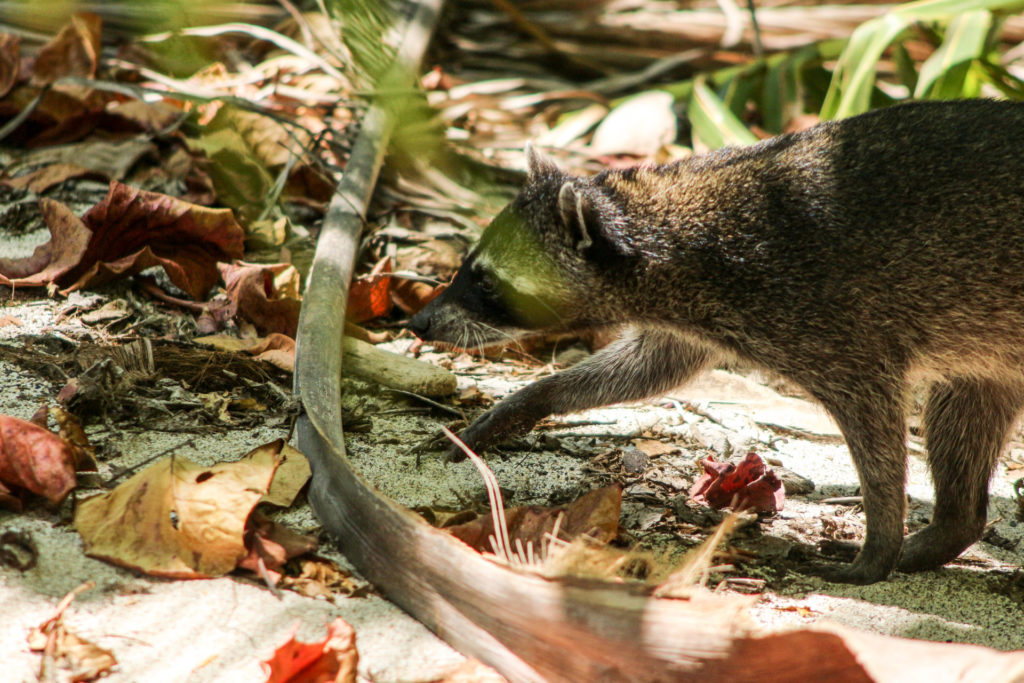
{"x": 537, "y": 164}
{"x": 575, "y": 210}
{"x": 587, "y": 224}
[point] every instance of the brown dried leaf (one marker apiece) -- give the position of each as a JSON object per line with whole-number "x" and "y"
{"x": 332, "y": 660}
{"x": 176, "y": 518}
{"x": 75, "y": 51}
{"x": 291, "y": 475}
{"x": 186, "y": 239}
{"x": 319, "y": 577}
{"x": 35, "y": 459}
{"x": 10, "y": 61}
{"x": 253, "y": 289}
{"x": 271, "y": 545}
{"x": 595, "y": 514}
{"x": 129, "y": 231}
{"x": 44, "y": 178}
{"x": 69, "y": 238}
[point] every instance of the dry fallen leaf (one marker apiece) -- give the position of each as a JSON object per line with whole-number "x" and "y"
{"x": 291, "y": 475}
{"x": 83, "y": 660}
{"x": 595, "y": 514}
{"x": 270, "y": 545}
{"x": 748, "y": 484}
{"x": 319, "y": 577}
{"x": 134, "y": 230}
{"x": 69, "y": 238}
{"x": 258, "y": 298}
{"x": 127, "y": 232}
{"x": 370, "y": 295}
{"x": 332, "y": 660}
{"x": 74, "y": 51}
{"x": 654, "y": 448}
{"x": 10, "y": 61}
{"x": 33, "y": 459}
{"x": 177, "y": 518}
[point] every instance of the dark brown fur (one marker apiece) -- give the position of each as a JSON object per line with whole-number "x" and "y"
{"x": 854, "y": 258}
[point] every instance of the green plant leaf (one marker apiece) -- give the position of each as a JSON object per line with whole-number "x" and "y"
{"x": 942, "y": 74}
{"x": 854, "y": 77}
{"x": 713, "y": 122}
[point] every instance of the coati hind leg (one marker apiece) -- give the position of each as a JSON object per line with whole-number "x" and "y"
{"x": 640, "y": 364}
{"x": 966, "y": 424}
{"x": 870, "y": 414}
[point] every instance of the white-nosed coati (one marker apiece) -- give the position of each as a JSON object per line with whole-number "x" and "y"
{"x": 853, "y": 258}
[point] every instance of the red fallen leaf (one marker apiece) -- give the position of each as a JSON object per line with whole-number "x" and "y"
{"x": 129, "y": 231}
{"x": 134, "y": 229}
{"x": 332, "y": 660}
{"x": 257, "y": 296}
{"x": 10, "y": 61}
{"x": 34, "y": 459}
{"x": 369, "y": 296}
{"x": 746, "y": 485}
{"x": 272, "y": 544}
{"x": 412, "y": 295}
{"x": 68, "y": 239}
{"x": 595, "y": 514}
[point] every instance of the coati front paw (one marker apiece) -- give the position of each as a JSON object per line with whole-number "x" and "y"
{"x": 502, "y": 422}
{"x": 867, "y": 567}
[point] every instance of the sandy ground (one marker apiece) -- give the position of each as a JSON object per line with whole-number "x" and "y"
{"x": 219, "y": 630}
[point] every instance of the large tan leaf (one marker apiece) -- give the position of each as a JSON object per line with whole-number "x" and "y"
{"x": 177, "y": 518}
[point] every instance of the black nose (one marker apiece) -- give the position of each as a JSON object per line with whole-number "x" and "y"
{"x": 420, "y": 324}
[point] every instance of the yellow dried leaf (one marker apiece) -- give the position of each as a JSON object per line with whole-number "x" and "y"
{"x": 179, "y": 519}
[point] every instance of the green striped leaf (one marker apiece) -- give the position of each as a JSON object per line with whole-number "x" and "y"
{"x": 713, "y": 123}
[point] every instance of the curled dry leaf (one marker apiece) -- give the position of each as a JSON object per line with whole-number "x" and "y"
{"x": 595, "y": 514}
{"x": 177, "y": 518}
{"x": 33, "y": 459}
{"x": 129, "y": 231}
{"x": 271, "y": 545}
{"x": 319, "y": 577}
{"x": 258, "y": 292}
{"x": 331, "y": 660}
{"x": 134, "y": 230}
{"x": 82, "y": 659}
{"x": 748, "y": 484}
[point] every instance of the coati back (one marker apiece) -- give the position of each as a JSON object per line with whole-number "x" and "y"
{"x": 853, "y": 258}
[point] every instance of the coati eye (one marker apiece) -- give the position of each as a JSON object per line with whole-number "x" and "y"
{"x": 487, "y": 285}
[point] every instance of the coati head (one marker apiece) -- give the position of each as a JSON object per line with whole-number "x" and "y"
{"x": 536, "y": 267}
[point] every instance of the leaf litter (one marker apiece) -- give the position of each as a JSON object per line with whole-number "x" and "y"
{"x": 273, "y": 174}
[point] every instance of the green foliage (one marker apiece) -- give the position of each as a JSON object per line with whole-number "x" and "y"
{"x": 774, "y": 90}
{"x": 966, "y": 26}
